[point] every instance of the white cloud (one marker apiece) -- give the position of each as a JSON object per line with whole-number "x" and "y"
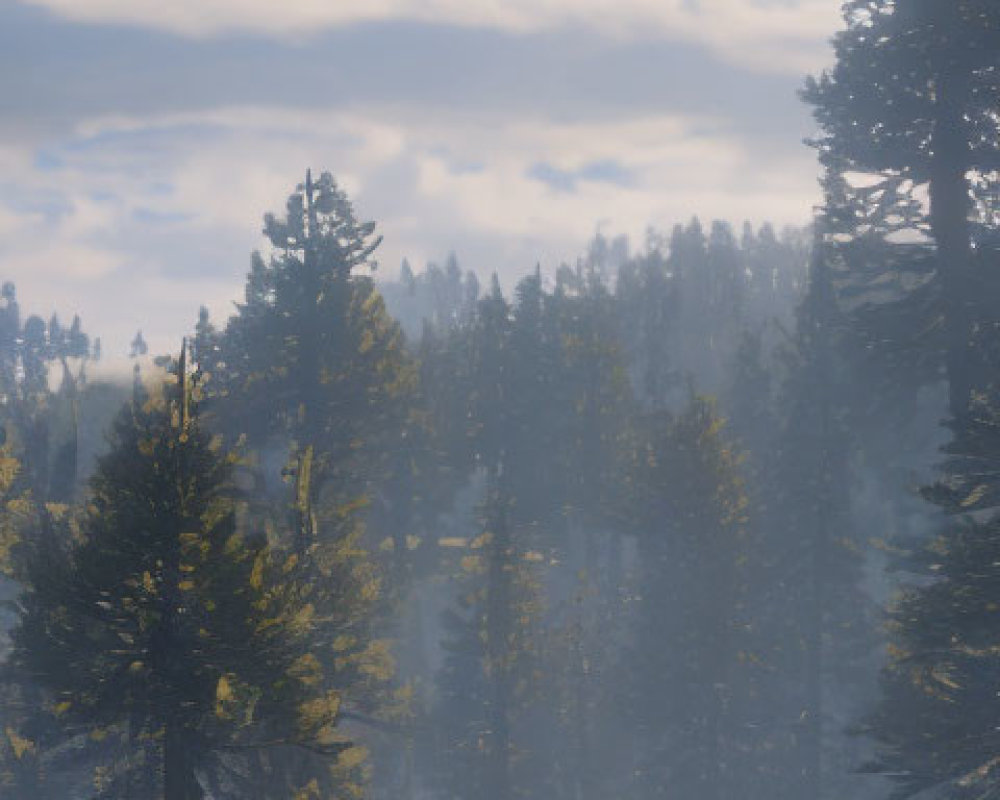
{"x": 9, "y": 222}
{"x": 780, "y": 35}
{"x": 62, "y": 261}
{"x": 157, "y": 215}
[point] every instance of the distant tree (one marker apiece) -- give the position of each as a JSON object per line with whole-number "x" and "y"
{"x": 484, "y": 686}
{"x": 39, "y": 422}
{"x": 595, "y": 402}
{"x": 817, "y": 559}
{"x": 311, "y": 357}
{"x": 750, "y": 395}
{"x": 205, "y": 345}
{"x": 681, "y": 673}
{"x": 138, "y": 347}
{"x": 647, "y": 302}
{"x": 407, "y": 278}
{"x": 506, "y": 377}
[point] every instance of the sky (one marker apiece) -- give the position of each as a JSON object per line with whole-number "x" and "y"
{"x": 141, "y": 142}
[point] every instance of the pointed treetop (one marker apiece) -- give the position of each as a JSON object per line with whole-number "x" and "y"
{"x": 182, "y": 383}
{"x": 320, "y": 223}
{"x": 138, "y": 346}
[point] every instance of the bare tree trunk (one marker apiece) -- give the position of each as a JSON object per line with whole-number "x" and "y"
{"x": 498, "y": 643}
{"x": 949, "y": 215}
{"x": 179, "y": 781}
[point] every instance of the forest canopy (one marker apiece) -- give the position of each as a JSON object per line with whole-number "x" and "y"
{"x": 676, "y": 521}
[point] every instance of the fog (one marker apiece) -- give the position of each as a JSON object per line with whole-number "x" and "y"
{"x": 407, "y": 433}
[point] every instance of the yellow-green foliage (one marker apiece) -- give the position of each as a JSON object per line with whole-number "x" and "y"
{"x": 169, "y": 552}
{"x": 17, "y": 510}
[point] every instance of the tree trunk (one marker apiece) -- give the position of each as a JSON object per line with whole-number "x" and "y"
{"x": 814, "y": 659}
{"x": 498, "y": 636}
{"x": 824, "y": 510}
{"x": 950, "y": 206}
{"x": 179, "y": 781}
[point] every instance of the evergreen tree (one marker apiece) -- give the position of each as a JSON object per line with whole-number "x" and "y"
{"x": 486, "y": 681}
{"x": 911, "y": 103}
{"x": 647, "y": 301}
{"x": 935, "y": 722}
{"x": 681, "y": 676}
{"x": 818, "y": 560}
{"x": 41, "y": 424}
{"x": 313, "y": 367}
{"x": 167, "y": 636}
{"x": 912, "y": 98}
{"x": 311, "y": 358}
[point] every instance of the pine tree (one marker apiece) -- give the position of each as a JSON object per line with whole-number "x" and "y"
{"x": 935, "y": 722}
{"x": 485, "y": 684}
{"x": 167, "y": 635}
{"x": 817, "y": 559}
{"x": 312, "y": 364}
{"x": 646, "y": 298}
{"x": 486, "y": 681}
{"x": 911, "y": 103}
{"x": 911, "y": 99}
{"x": 311, "y": 357}
{"x": 681, "y": 672}
{"x": 41, "y": 424}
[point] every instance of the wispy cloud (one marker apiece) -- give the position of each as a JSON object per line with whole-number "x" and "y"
{"x": 165, "y": 209}
{"x": 775, "y": 35}
{"x": 604, "y": 171}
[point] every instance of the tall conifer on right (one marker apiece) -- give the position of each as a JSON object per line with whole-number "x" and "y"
{"x": 911, "y": 101}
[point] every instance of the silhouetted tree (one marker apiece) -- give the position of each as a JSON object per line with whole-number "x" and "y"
{"x": 681, "y": 673}
{"x": 911, "y": 101}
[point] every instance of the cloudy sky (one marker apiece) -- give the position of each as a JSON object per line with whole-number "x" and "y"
{"x": 141, "y": 141}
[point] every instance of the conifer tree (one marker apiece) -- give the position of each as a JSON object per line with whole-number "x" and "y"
{"x": 311, "y": 358}
{"x": 911, "y": 100}
{"x": 817, "y": 560}
{"x": 646, "y": 297}
{"x": 40, "y": 424}
{"x": 313, "y": 365}
{"x": 911, "y": 103}
{"x": 935, "y": 722}
{"x": 681, "y": 672}
{"x": 169, "y": 636}
{"x": 486, "y": 680}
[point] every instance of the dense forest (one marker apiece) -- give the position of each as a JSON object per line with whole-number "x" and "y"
{"x": 714, "y": 517}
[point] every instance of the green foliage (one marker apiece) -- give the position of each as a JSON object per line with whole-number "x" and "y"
{"x": 169, "y": 636}
{"x": 934, "y": 722}
{"x": 911, "y": 102}
{"x": 900, "y": 68}
{"x": 689, "y": 512}
{"x": 313, "y": 366}
{"x": 487, "y": 680}
{"x": 311, "y": 354}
